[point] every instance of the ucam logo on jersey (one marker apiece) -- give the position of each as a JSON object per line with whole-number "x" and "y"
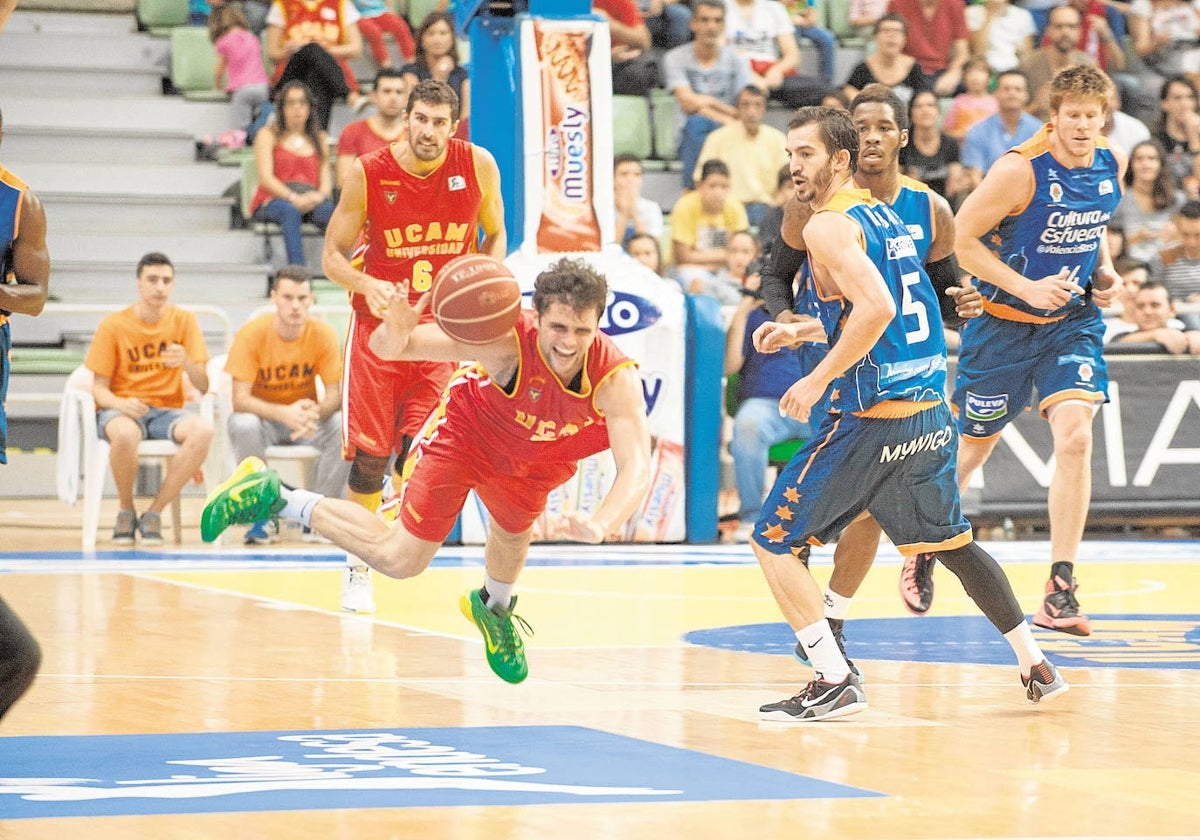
{"x": 214, "y": 772}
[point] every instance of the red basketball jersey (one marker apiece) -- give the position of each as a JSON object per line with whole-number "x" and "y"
{"x": 416, "y": 224}
{"x": 541, "y": 421}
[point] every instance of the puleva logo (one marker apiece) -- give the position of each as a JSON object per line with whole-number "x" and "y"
{"x": 269, "y": 771}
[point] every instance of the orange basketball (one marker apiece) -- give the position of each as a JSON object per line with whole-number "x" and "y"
{"x": 476, "y": 299}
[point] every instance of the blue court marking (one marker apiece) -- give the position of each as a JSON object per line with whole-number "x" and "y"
{"x": 1117, "y": 641}
{"x": 113, "y": 775}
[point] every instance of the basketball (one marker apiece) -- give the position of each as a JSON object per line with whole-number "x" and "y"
{"x": 476, "y": 299}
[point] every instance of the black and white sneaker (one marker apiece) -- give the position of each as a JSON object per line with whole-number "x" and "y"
{"x": 819, "y": 700}
{"x": 1044, "y": 682}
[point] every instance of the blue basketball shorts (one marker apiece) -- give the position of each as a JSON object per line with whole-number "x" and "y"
{"x": 902, "y": 470}
{"x": 1000, "y": 362}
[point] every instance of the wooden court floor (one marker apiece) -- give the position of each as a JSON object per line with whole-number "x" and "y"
{"x": 200, "y": 693}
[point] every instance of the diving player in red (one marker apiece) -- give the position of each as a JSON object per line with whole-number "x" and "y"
{"x": 510, "y": 426}
{"x": 418, "y": 203}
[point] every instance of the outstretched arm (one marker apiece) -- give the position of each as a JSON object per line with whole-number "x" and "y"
{"x": 403, "y": 337}
{"x": 620, "y": 398}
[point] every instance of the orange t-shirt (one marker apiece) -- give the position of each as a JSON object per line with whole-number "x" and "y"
{"x": 127, "y": 349}
{"x": 282, "y": 371}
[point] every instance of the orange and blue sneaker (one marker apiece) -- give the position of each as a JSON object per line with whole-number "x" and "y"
{"x": 250, "y": 495}
{"x": 503, "y": 645}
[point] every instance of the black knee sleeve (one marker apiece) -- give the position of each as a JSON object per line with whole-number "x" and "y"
{"x": 366, "y": 473}
{"x": 986, "y": 583}
{"x": 20, "y": 658}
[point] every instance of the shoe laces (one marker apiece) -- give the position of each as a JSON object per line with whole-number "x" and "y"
{"x": 510, "y": 638}
{"x": 1063, "y": 596}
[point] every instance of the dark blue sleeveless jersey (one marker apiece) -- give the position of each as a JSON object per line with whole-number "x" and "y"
{"x": 908, "y": 362}
{"x": 1060, "y": 227}
{"x": 914, "y": 205}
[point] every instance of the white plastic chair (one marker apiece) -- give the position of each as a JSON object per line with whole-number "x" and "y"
{"x": 304, "y": 456}
{"x": 79, "y": 409}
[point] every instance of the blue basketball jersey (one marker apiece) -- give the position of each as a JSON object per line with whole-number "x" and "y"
{"x": 914, "y": 205}
{"x": 1061, "y": 227}
{"x": 12, "y": 190}
{"x": 908, "y": 362}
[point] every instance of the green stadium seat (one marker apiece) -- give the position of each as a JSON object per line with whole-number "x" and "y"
{"x": 192, "y": 61}
{"x": 662, "y": 108}
{"x": 779, "y": 454}
{"x": 837, "y": 20}
{"x": 159, "y": 14}
{"x": 418, "y": 10}
{"x": 631, "y": 126}
{"x": 45, "y": 360}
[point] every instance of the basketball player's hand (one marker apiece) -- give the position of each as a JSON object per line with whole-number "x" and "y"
{"x": 1051, "y": 292}
{"x": 378, "y": 295}
{"x": 578, "y": 527}
{"x": 797, "y": 401}
{"x": 968, "y": 302}
{"x": 1106, "y": 286}
{"x": 774, "y": 336}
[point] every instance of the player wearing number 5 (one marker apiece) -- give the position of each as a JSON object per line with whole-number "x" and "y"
{"x": 1034, "y": 234}
{"x": 418, "y": 203}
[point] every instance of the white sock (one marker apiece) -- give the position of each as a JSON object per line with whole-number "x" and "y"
{"x": 499, "y": 593}
{"x": 823, "y": 652}
{"x": 355, "y": 562}
{"x": 300, "y": 504}
{"x": 836, "y": 606}
{"x": 1023, "y": 645}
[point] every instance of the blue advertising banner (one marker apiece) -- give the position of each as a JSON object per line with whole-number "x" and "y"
{"x": 110, "y": 775}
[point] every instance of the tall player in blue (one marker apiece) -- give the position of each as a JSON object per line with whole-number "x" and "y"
{"x": 1034, "y": 234}
{"x": 888, "y": 425}
{"x": 24, "y": 284}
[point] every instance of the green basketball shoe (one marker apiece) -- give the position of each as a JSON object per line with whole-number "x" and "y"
{"x": 505, "y": 650}
{"x": 250, "y": 495}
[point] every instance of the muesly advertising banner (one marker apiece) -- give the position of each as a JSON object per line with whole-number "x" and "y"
{"x": 1146, "y": 452}
{"x": 645, "y": 317}
{"x": 566, "y": 88}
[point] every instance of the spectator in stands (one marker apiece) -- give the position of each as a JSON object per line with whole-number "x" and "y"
{"x": 314, "y": 44}
{"x": 752, "y": 152}
{"x": 274, "y": 362}
{"x": 1178, "y": 267}
{"x": 1101, "y": 34}
{"x": 645, "y": 249}
{"x": 758, "y": 424}
{"x": 377, "y": 19}
{"x": 390, "y": 95}
{"x": 1011, "y": 126}
{"x": 1120, "y": 318}
{"x": 1122, "y": 130}
{"x": 295, "y": 181}
{"x": 634, "y": 67}
{"x": 198, "y": 11}
{"x": 932, "y": 156}
{"x": 1057, "y": 53}
{"x": 1002, "y": 34}
{"x": 437, "y": 58}
{"x": 239, "y": 56}
{"x": 836, "y": 98}
{"x": 772, "y": 221}
{"x": 888, "y": 64}
{"x": 864, "y": 14}
{"x": 140, "y": 356}
{"x": 726, "y": 283}
{"x": 1149, "y": 203}
{"x": 806, "y": 18}
{"x": 635, "y": 213}
{"x": 1152, "y": 313}
{"x": 668, "y": 22}
{"x": 704, "y": 77}
{"x": 974, "y": 104}
{"x": 702, "y": 223}
{"x": 762, "y": 31}
{"x": 937, "y": 39}
{"x": 1178, "y": 131}
{"x": 256, "y": 12}
{"x": 1165, "y": 34}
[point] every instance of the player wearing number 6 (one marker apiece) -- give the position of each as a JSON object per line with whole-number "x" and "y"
{"x": 418, "y": 203}
{"x": 888, "y": 426}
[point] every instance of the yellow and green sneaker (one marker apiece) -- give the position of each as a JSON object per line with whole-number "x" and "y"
{"x": 250, "y": 495}
{"x": 503, "y": 645}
